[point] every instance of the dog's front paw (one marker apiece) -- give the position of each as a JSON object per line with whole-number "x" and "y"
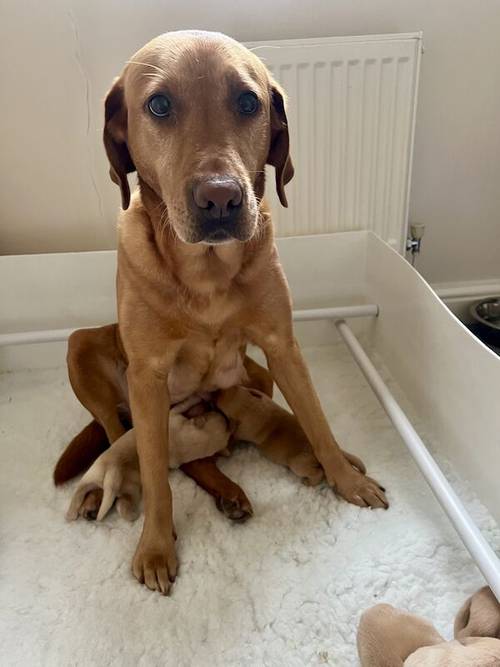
{"x": 357, "y": 488}
{"x": 155, "y": 564}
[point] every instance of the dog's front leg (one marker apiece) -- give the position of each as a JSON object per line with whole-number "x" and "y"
{"x": 155, "y": 562}
{"x": 290, "y": 372}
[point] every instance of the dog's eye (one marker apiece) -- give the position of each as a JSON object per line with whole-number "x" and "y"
{"x": 159, "y": 105}
{"x": 248, "y": 102}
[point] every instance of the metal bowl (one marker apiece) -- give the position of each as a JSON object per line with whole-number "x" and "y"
{"x": 487, "y": 313}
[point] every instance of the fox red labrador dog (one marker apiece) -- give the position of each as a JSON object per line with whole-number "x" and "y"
{"x": 197, "y": 116}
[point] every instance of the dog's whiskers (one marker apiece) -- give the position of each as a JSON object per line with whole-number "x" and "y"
{"x": 164, "y": 226}
{"x": 153, "y": 75}
{"x": 137, "y": 62}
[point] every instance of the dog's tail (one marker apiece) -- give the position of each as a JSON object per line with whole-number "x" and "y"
{"x": 81, "y": 453}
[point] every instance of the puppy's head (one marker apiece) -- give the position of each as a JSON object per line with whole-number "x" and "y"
{"x": 198, "y": 116}
{"x": 236, "y": 402}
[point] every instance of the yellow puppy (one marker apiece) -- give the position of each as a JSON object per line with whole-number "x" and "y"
{"x": 390, "y": 637}
{"x": 257, "y": 418}
{"x": 116, "y": 471}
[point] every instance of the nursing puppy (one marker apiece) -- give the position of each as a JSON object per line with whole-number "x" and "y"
{"x": 256, "y": 418}
{"x": 115, "y": 474}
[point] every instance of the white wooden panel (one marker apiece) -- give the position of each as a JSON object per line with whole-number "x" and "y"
{"x": 57, "y": 290}
{"x": 70, "y": 290}
{"x": 63, "y": 290}
{"x": 449, "y": 376}
{"x": 351, "y": 115}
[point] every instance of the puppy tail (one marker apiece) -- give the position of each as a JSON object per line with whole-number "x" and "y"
{"x": 111, "y": 487}
{"x": 81, "y": 453}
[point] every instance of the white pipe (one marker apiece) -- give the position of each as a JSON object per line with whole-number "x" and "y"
{"x": 340, "y": 312}
{"x": 473, "y": 291}
{"x": 478, "y": 547}
{"x": 53, "y": 335}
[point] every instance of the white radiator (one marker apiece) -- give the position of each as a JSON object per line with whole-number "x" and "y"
{"x": 352, "y": 103}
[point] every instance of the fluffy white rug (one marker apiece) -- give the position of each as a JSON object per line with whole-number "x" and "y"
{"x": 286, "y": 588}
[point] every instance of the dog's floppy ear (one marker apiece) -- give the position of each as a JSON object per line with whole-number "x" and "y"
{"x": 279, "y": 149}
{"x": 115, "y": 139}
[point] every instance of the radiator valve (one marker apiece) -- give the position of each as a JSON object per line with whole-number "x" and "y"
{"x": 414, "y": 241}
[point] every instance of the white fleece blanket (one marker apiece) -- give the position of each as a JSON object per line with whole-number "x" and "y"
{"x": 286, "y": 588}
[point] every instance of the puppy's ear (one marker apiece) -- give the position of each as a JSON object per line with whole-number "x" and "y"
{"x": 279, "y": 149}
{"x": 479, "y": 616}
{"x": 115, "y": 140}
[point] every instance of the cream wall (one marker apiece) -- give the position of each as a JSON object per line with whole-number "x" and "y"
{"x": 58, "y": 58}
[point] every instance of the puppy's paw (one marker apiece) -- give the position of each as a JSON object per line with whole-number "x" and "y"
{"x": 111, "y": 478}
{"x": 306, "y": 466}
{"x": 356, "y": 462}
{"x": 313, "y": 478}
{"x": 85, "y": 502}
{"x": 89, "y": 509}
{"x": 128, "y": 506}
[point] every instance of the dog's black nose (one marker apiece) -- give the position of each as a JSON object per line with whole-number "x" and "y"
{"x": 218, "y": 197}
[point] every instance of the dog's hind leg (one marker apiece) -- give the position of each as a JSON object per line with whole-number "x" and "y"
{"x": 230, "y": 499}
{"x": 96, "y": 368}
{"x": 96, "y": 371}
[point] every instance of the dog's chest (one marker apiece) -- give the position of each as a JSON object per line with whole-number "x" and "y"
{"x": 206, "y": 363}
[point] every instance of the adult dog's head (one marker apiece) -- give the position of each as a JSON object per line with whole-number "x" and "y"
{"x": 198, "y": 116}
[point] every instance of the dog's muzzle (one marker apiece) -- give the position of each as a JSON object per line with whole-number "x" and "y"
{"x": 218, "y": 203}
